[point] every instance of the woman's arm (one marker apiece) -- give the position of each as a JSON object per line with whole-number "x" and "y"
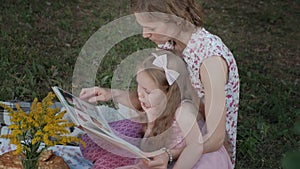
{"x": 214, "y": 73}
{"x": 127, "y": 98}
{"x": 161, "y": 161}
{"x": 186, "y": 118}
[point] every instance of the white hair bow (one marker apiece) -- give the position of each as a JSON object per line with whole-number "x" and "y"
{"x": 161, "y": 61}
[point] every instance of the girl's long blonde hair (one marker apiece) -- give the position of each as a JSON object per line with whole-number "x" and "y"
{"x": 181, "y": 89}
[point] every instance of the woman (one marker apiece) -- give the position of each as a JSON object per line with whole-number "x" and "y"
{"x": 177, "y": 25}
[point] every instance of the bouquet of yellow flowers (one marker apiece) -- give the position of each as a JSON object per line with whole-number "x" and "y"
{"x": 42, "y": 124}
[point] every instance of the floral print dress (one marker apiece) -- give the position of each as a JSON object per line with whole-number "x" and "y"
{"x": 203, "y": 45}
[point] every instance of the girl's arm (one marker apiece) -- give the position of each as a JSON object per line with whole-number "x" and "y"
{"x": 214, "y": 75}
{"x": 186, "y": 117}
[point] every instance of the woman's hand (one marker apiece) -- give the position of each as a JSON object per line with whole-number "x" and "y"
{"x": 158, "y": 162}
{"x": 95, "y": 94}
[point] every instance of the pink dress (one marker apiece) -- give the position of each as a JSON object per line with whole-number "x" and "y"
{"x": 214, "y": 160}
{"x": 202, "y": 45}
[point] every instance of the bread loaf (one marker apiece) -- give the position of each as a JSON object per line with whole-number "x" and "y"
{"x": 47, "y": 160}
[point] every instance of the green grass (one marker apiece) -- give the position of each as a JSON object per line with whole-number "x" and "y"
{"x": 40, "y": 42}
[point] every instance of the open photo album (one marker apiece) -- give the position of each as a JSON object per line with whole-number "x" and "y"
{"x": 94, "y": 123}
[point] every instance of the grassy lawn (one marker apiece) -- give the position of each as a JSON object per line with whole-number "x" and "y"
{"x": 40, "y": 42}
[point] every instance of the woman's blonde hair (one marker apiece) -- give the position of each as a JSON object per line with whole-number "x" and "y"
{"x": 181, "y": 89}
{"x": 188, "y": 10}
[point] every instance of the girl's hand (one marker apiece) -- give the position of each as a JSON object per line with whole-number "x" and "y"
{"x": 95, "y": 94}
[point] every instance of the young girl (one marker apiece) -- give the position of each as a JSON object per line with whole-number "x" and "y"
{"x": 170, "y": 104}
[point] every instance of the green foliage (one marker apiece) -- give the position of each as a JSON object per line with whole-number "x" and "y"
{"x": 40, "y": 42}
{"x": 291, "y": 158}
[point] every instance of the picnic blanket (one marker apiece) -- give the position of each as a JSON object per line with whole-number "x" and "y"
{"x": 71, "y": 154}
